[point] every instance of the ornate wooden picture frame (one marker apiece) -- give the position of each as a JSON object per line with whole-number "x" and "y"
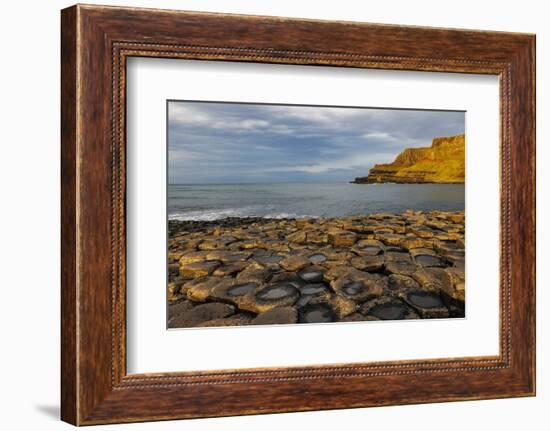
{"x": 96, "y": 41}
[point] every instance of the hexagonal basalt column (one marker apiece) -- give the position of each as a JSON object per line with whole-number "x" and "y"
{"x": 428, "y": 304}
{"x": 268, "y": 297}
{"x": 317, "y": 313}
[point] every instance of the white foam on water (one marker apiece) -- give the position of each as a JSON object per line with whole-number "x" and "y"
{"x": 286, "y": 215}
{"x": 209, "y": 215}
{"x": 219, "y": 214}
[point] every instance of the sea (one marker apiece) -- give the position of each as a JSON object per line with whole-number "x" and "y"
{"x": 208, "y": 202}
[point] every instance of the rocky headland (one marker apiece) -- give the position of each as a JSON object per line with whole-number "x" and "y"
{"x": 443, "y": 162}
{"x": 255, "y": 271}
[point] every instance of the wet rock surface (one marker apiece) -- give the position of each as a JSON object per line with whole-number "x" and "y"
{"x": 256, "y": 271}
{"x": 277, "y": 316}
{"x": 317, "y": 313}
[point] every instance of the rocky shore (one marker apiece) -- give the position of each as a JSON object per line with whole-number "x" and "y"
{"x": 256, "y": 271}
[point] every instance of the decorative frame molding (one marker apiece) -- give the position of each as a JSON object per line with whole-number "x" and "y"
{"x": 96, "y": 41}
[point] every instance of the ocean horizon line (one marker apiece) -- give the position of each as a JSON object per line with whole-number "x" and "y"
{"x": 305, "y": 182}
{"x": 257, "y": 182}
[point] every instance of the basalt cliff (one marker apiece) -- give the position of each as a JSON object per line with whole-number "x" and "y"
{"x": 443, "y": 162}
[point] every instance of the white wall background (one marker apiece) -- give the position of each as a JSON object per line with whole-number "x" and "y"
{"x": 29, "y": 224}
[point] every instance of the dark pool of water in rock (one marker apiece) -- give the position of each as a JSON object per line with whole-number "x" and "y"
{"x": 372, "y": 250}
{"x": 311, "y": 275}
{"x": 276, "y": 291}
{"x": 353, "y": 288}
{"x": 425, "y": 299}
{"x": 313, "y": 289}
{"x": 389, "y": 311}
{"x": 270, "y": 259}
{"x": 318, "y": 313}
{"x": 241, "y": 289}
{"x": 317, "y": 258}
{"x": 428, "y": 260}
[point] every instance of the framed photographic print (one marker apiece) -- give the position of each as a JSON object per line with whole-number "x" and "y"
{"x": 286, "y": 207}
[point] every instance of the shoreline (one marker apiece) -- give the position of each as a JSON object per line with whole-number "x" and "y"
{"x": 254, "y": 270}
{"x": 174, "y": 225}
{"x": 405, "y": 181}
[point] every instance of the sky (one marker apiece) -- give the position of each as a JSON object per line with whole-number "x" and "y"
{"x": 219, "y": 143}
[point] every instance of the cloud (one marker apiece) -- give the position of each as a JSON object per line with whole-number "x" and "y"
{"x": 191, "y": 115}
{"x": 347, "y": 163}
{"x": 187, "y": 114}
{"x": 380, "y": 135}
{"x": 232, "y": 142}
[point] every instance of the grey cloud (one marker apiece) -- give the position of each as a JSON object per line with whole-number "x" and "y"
{"x": 226, "y": 142}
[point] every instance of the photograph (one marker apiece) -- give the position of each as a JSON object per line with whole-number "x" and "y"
{"x": 292, "y": 214}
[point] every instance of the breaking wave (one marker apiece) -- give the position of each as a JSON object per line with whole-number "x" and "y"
{"x": 211, "y": 215}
